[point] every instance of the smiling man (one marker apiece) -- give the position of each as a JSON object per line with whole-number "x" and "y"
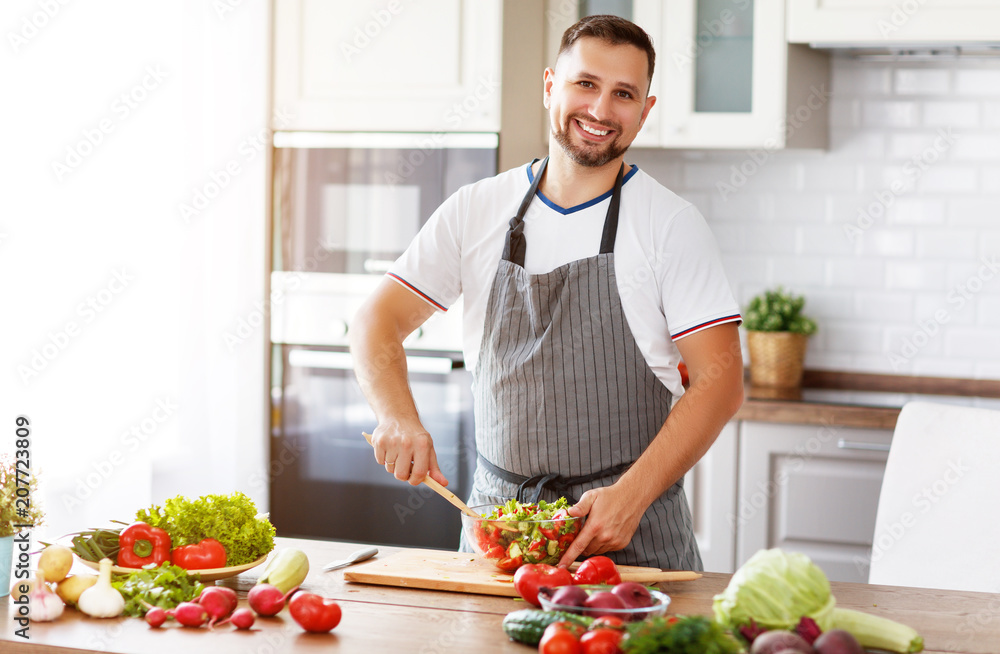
{"x": 585, "y": 283}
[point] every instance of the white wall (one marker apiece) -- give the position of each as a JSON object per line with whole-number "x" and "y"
{"x": 893, "y": 234}
{"x": 140, "y": 398}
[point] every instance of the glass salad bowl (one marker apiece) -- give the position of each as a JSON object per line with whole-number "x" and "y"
{"x": 652, "y": 603}
{"x": 513, "y": 534}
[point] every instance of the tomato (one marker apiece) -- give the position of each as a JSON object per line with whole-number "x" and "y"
{"x": 597, "y": 570}
{"x": 314, "y": 613}
{"x": 529, "y": 578}
{"x": 608, "y": 622}
{"x": 509, "y": 564}
{"x": 551, "y": 529}
{"x": 602, "y": 641}
{"x": 561, "y": 638}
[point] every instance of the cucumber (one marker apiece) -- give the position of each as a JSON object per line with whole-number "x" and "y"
{"x": 528, "y": 625}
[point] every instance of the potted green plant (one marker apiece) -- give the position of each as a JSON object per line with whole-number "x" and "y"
{"x": 11, "y": 513}
{"x": 776, "y": 335}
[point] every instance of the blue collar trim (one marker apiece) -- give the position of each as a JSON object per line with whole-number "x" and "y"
{"x": 588, "y": 203}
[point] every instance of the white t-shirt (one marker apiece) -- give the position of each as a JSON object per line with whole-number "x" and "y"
{"x": 670, "y": 277}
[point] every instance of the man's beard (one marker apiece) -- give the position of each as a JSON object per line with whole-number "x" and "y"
{"x": 590, "y": 155}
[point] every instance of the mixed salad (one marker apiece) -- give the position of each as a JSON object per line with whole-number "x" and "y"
{"x": 515, "y": 534}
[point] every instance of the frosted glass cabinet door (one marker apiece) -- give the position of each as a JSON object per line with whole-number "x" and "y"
{"x": 726, "y": 71}
{"x": 372, "y": 65}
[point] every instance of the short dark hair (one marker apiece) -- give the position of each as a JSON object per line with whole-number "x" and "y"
{"x": 614, "y": 30}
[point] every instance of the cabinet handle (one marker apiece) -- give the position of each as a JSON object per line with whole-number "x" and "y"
{"x": 845, "y": 444}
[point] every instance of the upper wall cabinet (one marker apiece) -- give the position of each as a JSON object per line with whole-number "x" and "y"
{"x": 725, "y": 76}
{"x": 885, "y": 22}
{"x": 372, "y": 65}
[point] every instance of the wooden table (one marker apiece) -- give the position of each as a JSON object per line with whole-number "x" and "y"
{"x": 380, "y": 619}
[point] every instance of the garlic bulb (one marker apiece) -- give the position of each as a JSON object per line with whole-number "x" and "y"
{"x": 43, "y": 604}
{"x": 101, "y": 600}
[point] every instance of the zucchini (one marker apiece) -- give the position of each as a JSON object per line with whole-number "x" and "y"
{"x": 528, "y": 625}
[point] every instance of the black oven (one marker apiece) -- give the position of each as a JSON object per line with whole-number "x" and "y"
{"x": 345, "y": 207}
{"x": 325, "y": 482}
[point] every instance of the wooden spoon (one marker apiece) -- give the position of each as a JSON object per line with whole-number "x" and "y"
{"x": 439, "y": 489}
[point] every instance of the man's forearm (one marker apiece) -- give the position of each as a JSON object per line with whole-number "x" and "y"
{"x": 380, "y": 366}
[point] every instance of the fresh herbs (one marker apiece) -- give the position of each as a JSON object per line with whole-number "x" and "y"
{"x": 688, "y": 635}
{"x": 778, "y": 311}
{"x": 230, "y": 519}
{"x": 165, "y": 586}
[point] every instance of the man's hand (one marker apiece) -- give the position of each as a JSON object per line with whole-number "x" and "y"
{"x": 612, "y": 518}
{"x": 407, "y": 454}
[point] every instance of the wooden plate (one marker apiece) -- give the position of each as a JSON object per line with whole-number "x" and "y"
{"x": 209, "y": 574}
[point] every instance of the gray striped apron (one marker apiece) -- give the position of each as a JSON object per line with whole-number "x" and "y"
{"x": 564, "y": 400}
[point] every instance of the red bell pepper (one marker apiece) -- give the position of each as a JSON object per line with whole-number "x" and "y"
{"x": 141, "y": 544}
{"x": 209, "y": 553}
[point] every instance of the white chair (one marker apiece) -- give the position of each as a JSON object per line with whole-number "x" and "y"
{"x": 938, "y": 520}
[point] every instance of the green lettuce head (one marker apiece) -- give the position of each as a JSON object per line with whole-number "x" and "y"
{"x": 776, "y": 589}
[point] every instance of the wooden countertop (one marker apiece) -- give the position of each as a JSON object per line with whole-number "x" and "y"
{"x": 379, "y": 619}
{"x": 870, "y": 401}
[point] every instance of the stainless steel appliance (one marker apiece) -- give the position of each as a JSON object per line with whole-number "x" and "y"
{"x": 346, "y": 206}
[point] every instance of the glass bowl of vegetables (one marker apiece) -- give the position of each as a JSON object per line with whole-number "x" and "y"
{"x": 629, "y": 601}
{"x": 512, "y": 534}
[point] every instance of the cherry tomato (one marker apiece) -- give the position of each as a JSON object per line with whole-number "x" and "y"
{"x": 597, "y": 570}
{"x": 608, "y": 622}
{"x": 529, "y": 578}
{"x": 602, "y": 641}
{"x": 561, "y": 638}
{"x": 313, "y": 612}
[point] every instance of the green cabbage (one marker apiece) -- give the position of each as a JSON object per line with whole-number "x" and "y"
{"x": 776, "y": 588}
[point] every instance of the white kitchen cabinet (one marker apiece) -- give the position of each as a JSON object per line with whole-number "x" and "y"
{"x": 725, "y": 77}
{"x": 886, "y": 22}
{"x": 810, "y": 489}
{"x": 372, "y": 65}
{"x": 710, "y": 487}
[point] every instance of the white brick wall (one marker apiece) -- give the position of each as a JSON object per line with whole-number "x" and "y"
{"x": 914, "y": 167}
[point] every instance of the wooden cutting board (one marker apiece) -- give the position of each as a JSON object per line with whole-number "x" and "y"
{"x": 468, "y": 573}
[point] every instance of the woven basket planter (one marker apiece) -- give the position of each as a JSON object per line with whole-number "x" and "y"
{"x": 776, "y": 358}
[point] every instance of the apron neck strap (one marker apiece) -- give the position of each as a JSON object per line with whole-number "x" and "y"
{"x": 515, "y": 246}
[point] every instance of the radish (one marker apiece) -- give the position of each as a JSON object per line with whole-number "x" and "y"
{"x": 218, "y": 602}
{"x": 190, "y": 614}
{"x": 267, "y": 600}
{"x": 155, "y": 617}
{"x": 241, "y": 619}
